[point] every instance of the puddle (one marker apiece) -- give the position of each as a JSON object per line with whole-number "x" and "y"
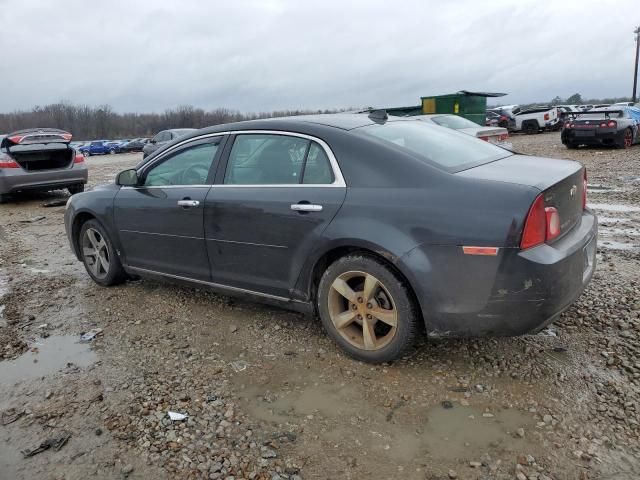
{"x": 613, "y": 245}
{"x": 595, "y": 189}
{"x": 632, "y": 232}
{"x": 463, "y": 433}
{"x": 52, "y": 355}
{"x": 613, "y": 207}
{"x": 613, "y": 220}
{"x": 326, "y": 400}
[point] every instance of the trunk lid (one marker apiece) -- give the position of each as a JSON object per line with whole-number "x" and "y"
{"x": 36, "y": 136}
{"x": 39, "y": 148}
{"x": 560, "y": 181}
{"x": 490, "y": 134}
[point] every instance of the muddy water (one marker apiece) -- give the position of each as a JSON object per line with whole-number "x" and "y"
{"x": 614, "y": 207}
{"x": 46, "y": 357}
{"x": 463, "y": 431}
{"x": 402, "y": 434}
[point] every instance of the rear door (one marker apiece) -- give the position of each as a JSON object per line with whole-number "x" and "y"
{"x": 276, "y": 196}
{"x": 160, "y": 222}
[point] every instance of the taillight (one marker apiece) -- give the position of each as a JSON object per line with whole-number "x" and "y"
{"x": 79, "y": 158}
{"x": 546, "y": 116}
{"x": 486, "y": 139}
{"x": 584, "y": 189}
{"x": 568, "y": 125}
{"x": 66, "y": 136}
{"x": 16, "y": 138}
{"x": 6, "y": 162}
{"x": 542, "y": 224}
{"x": 603, "y": 125}
{"x": 612, "y": 124}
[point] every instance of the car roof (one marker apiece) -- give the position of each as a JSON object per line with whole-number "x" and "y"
{"x": 342, "y": 121}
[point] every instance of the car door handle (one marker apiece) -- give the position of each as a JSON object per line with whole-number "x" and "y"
{"x": 188, "y": 203}
{"x": 306, "y": 207}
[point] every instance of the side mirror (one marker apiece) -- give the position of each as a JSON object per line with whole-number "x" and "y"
{"x": 127, "y": 178}
{"x": 153, "y": 140}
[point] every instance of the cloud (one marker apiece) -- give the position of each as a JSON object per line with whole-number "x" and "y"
{"x": 264, "y": 55}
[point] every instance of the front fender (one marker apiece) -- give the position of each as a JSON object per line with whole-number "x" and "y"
{"x": 97, "y": 203}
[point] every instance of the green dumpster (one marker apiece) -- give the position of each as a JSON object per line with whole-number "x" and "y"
{"x": 470, "y": 105}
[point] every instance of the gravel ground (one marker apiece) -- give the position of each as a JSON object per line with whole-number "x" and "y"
{"x": 268, "y": 396}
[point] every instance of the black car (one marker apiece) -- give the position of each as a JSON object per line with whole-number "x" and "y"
{"x": 135, "y": 145}
{"x": 613, "y": 126}
{"x": 381, "y": 226}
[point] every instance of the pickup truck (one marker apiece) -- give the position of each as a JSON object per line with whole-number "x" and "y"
{"x": 535, "y": 120}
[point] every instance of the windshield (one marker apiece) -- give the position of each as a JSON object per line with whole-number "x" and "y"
{"x": 453, "y": 121}
{"x": 447, "y": 149}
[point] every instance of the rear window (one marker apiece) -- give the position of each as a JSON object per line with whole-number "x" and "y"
{"x": 450, "y": 150}
{"x": 611, "y": 113}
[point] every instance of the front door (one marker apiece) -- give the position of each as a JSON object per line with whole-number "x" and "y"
{"x": 278, "y": 194}
{"x": 160, "y": 222}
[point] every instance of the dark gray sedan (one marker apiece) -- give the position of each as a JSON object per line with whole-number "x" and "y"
{"x": 162, "y": 138}
{"x": 380, "y": 227}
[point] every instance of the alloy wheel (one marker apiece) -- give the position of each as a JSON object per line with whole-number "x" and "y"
{"x": 95, "y": 253}
{"x": 362, "y": 310}
{"x": 628, "y": 138}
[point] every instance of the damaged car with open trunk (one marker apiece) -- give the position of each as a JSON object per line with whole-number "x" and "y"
{"x": 40, "y": 159}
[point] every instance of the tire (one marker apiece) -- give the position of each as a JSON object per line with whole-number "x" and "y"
{"x": 571, "y": 146}
{"x": 388, "y": 338}
{"x": 113, "y": 274}
{"x": 531, "y": 127}
{"x": 79, "y": 188}
{"x": 4, "y": 198}
{"x": 112, "y": 151}
{"x": 626, "y": 140}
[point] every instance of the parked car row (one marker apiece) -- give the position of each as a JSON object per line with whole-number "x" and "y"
{"x": 104, "y": 147}
{"x": 541, "y": 118}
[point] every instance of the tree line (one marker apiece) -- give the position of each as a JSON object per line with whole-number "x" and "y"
{"x": 90, "y": 123}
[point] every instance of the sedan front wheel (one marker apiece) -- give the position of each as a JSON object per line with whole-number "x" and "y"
{"x": 367, "y": 309}
{"x": 99, "y": 256}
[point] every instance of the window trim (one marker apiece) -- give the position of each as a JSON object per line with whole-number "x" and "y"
{"x": 338, "y": 179}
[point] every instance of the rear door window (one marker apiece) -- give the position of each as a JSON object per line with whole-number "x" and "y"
{"x": 317, "y": 168}
{"x": 257, "y": 159}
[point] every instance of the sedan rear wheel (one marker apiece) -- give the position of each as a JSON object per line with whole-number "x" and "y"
{"x": 366, "y": 308}
{"x": 112, "y": 151}
{"x": 98, "y": 255}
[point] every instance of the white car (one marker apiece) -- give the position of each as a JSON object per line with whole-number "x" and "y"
{"x": 496, "y": 135}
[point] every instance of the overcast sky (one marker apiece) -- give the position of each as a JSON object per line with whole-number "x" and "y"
{"x": 276, "y": 54}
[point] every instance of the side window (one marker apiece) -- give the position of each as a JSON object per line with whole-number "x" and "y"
{"x": 317, "y": 170}
{"x": 266, "y": 160}
{"x": 189, "y": 166}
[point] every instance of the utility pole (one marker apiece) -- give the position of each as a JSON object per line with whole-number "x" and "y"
{"x": 635, "y": 71}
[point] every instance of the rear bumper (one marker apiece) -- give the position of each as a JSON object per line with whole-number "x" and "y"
{"x": 15, "y": 180}
{"x": 513, "y": 293}
{"x": 594, "y": 137}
